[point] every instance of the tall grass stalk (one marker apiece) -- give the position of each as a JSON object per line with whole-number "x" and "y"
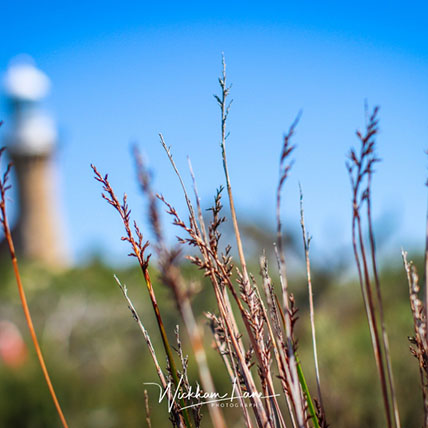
{"x": 138, "y": 250}
{"x": 4, "y": 187}
{"x": 216, "y": 271}
{"x": 172, "y": 278}
{"x": 360, "y": 169}
{"x": 306, "y": 244}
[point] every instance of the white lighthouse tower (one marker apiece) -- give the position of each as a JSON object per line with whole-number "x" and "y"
{"x": 31, "y": 140}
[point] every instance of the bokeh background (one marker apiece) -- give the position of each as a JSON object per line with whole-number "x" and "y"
{"x": 122, "y": 73}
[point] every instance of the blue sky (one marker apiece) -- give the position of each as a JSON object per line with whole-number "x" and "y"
{"x": 125, "y": 72}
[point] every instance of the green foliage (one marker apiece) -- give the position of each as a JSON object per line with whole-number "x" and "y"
{"x": 99, "y": 361}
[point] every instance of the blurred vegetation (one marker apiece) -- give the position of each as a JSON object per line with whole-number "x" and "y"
{"x": 99, "y": 362}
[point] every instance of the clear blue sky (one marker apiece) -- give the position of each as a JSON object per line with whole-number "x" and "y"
{"x": 124, "y": 72}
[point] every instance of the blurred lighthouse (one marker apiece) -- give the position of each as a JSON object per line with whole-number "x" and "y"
{"x": 31, "y": 138}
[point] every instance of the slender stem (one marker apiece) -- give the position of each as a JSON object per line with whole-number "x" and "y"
{"x": 221, "y": 294}
{"x": 139, "y": 248}
{"x": 178, "y": 417}
{"x": 360, "y": 170}
{"x": 146, "y": 402}
{"x": 23, "y": 298}
{"x": 372, "y": 314}
{"x": 224, "y": 107}
{"x": 306, "y": 243}
{"x": 165, "y": 342}
{"x": 295, "y": 387}
{"x": 301, "y": 376}
{"x": 381, "y": 313}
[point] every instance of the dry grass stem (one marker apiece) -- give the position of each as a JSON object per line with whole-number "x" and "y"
{"x": 171, "y": 277}
{"x": 135, "y": 239}
{"x": 360, "y": 169}
{"x": 146, "y": 403}
{"x": 225, "y": 109}
{"x": 306, "y": 245}
{"x": 175, "y": 411}
{"x": 294, "y": 384}
{"x": 4, "y": 187}
{"x": 146, "y": 336}
{"x": 219, "y": 273}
